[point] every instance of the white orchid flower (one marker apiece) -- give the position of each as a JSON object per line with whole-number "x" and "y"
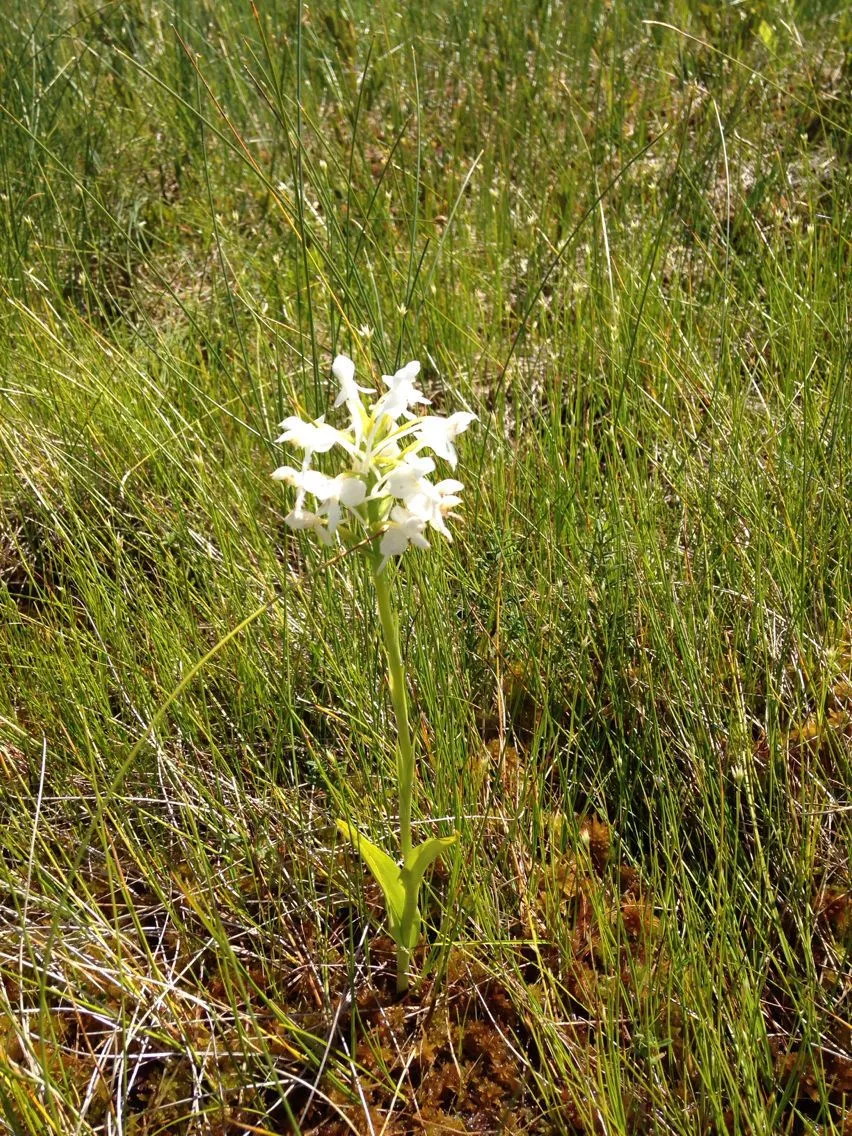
{"x": 313, "y": 437}
{"x": 337, "y": 493}
{"x": 301, "y": 519}
{"x": 406, "y": 478}
{"x": 438, "y": 433}
{"x": 402, "y": 393}
{"x": 431, "y": 503}
{"x": 345, "y": 488}
{"x": 350, "y": 393}
{"x": 284, "y": 473}
{"x": 402, "y": 530}
{"x": 343, "y": 370}
{"x": 332, "y": 493}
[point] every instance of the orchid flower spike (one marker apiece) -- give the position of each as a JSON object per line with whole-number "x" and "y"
{"x": 383, "y": 490}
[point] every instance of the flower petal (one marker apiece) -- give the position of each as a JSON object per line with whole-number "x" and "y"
{"x": 285, "y": 473}
{"x": 343, "y": 370}
{"x": 394, "y": 541}
{"x": 300, "y": 519}
{"x": 352, "y": 491}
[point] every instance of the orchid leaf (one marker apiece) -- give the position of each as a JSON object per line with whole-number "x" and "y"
{"x": 399, "y": 884}
{"x": 386, "y": 873}
{"x": 422, "y": 857}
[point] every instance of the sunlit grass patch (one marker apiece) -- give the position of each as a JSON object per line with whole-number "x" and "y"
{"x": 621, "y": 238}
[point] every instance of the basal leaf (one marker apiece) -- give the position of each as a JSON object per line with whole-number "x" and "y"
{"x": 422, "y": 857}
{"x": 386, "y": 873}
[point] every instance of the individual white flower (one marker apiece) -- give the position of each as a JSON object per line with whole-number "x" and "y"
{"x": 447, "y": 488}
{"x": 301, "y": 519}
{"x": 316, "y": 483}
{"x": 313, "y": 437}
{"x": 402, "y": 394}
{"x": 351, "y": 491}
{"x": 296, "y": 478}
{"x": 402, "y": 530}
{"x": 439, "y": 433}
{"x": 337, "y": 493}
{"x": 407, "y": 478}
{"x": 343, "y": 370}
{"x": 285, "y": 473}
{"x": 431, "y": 502}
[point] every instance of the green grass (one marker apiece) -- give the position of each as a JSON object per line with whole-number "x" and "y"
{"x": 620, "y": 233}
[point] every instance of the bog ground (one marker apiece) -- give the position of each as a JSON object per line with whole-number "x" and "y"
{"x": 619, "y": 233}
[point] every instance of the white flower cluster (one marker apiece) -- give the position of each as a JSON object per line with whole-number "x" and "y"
{"x": 386, "y": 488}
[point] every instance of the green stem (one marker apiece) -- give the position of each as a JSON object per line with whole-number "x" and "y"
{"x": 403, "y": 955}
{"x": 396, "y": 679}
{"x": 403, "y": 962}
